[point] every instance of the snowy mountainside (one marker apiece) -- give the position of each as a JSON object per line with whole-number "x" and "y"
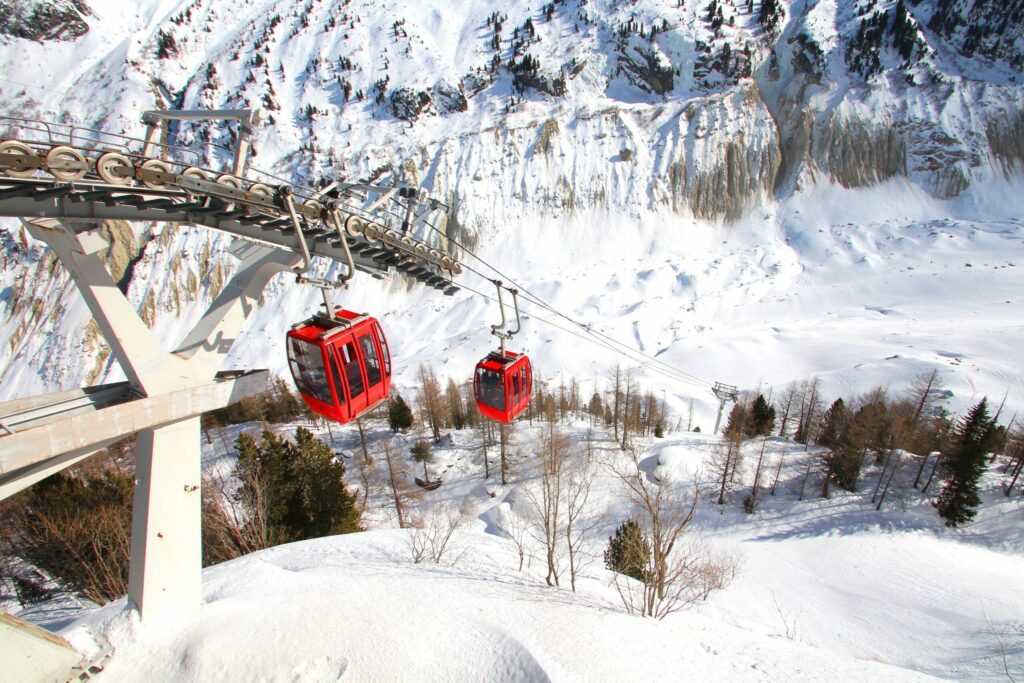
{"x": 684, "y": 140}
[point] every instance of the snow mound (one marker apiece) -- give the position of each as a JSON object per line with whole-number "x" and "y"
{"x": 355, "y": 608}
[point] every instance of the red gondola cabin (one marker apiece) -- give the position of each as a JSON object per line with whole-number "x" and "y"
{"x": 502, "y": 385}
{"x": 341, "y": 365}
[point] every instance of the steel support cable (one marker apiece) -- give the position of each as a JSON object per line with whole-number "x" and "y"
{"x": 590, "y": 339}
{"x": 548, "y": 322}
{"x": 603, "y": 340}
{"x": 693, "y": 379}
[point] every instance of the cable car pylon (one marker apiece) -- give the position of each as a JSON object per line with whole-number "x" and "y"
{"x": 724, "y": 392}
{"x": 502, "y": 380}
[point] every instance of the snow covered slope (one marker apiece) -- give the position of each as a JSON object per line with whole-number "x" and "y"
{"x": 827, "y": 588}
{"x": 735, "y": 191}
{"x": 353, "y": 608}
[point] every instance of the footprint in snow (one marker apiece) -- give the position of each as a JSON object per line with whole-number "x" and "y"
{"x": 321, "y": 670}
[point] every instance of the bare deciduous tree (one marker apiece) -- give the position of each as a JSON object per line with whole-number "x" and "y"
{"x": 506, "y": 434}
{"x": 433, "y": 535}
{"x": 784, "y": 406}
{"x": 431, "y": 401}
{"x": 579, "y": 524}
{"x": 516, "y": 527}
{"x": 616, "y": 398}
{"x": 672, "y": 566}
{"x": 717, "y": 571}
{"x": 545, "y": 498}
{"x": 750, "y": 505}
{"x": 400, "y": 495}
{"x": 725, "y": 464}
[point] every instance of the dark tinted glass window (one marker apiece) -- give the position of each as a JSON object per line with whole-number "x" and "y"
{"x": 352, "y": 372}
{"x": 306, "y": 361}
{"x": 385, "y": 351}
{"x": 490, "y": 388}
{"x": 372, "y": 361}
{"x": 339, "y": 387}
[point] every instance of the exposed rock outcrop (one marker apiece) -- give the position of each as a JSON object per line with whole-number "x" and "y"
{"x": 1005, "y": 136}
{"x": 647, "y": 68}
{"x": 855, "y": 153}
{"x": 44, "y": 20}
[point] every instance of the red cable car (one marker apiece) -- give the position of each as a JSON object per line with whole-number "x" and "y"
{"x": 502, "y": 384}
{"x": 503, "y": 380}
{"x": 341, "y": 364}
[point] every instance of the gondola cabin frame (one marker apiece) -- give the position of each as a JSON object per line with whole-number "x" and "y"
{"x": 502, "y": 383}
{"x": 341, "y": 365}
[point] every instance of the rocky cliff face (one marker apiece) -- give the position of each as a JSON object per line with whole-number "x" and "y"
{"x": 863, "y": 93}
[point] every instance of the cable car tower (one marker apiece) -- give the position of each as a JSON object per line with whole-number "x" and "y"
{"x": 724, "y": 392}
{"x": 63, "y": 181}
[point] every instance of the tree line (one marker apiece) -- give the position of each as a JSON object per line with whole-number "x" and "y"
{"x": 911, "y": 429}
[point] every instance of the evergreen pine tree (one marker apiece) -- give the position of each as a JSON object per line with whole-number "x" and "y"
{"x": 166, "y": 45}
{"x": 421, "y": 453}
{"x": 399, "y": 414}
{"x": 628, "y": 550}
{"x": 763, "y": 417}
{"x": 833, "y": 423}
{"x": 297, "y": 489}
{"x": 320, "y": 505}
{"x": 963, "y": 464}
{"x": 738, "y": 420}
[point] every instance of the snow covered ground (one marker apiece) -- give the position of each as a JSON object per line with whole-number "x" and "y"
{"x": 828, "y": 589}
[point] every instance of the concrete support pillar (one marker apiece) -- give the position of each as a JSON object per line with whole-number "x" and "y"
{"x": 166, "y": 545}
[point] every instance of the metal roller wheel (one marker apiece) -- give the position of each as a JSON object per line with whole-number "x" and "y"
{"x": 155, "y": 165}
{"x": 229, "y": 181}
{"x": 114, "y": 168}
{"x": 20, "y": 166}
{"x": 264, "y": 195}
{"x": 314, "y": 207}
{"x": 262, "y": 191}
{"x": 66, "y": 163}
{"x": 354, "y": 226}
{"x": 195, "y": 173}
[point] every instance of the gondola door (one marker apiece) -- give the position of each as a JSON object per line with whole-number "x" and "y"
{"x": 347, "y": 358}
